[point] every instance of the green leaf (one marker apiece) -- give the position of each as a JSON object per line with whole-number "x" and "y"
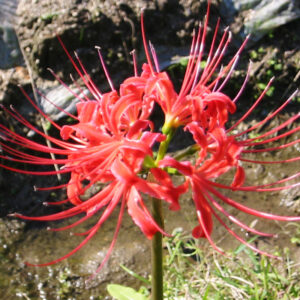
{"x": 184, "y": 61}
{"x": 121, "y": 292}
{"x": 242, "y": 247}
{"x": 135, "y": 275}
{"x": 47, "y": 125}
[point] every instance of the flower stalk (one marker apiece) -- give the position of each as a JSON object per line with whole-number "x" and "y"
{"x": 163, "y": 147}
{"x": 157, "y": 253}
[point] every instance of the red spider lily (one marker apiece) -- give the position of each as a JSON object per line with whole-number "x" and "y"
{"x": 201, "y": 176}
{"x": 110, "y": 148}
{"x": 218, "y": 153}
{"x": 108, "y": 145}
{"x": 198, "y": 100}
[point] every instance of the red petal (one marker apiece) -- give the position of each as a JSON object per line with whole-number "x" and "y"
{"x": 239, "y": 177}
{"x": 140, "y": 214}
{"x": 73, "y": 188}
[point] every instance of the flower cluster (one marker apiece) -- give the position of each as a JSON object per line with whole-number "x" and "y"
{"x": 111, "y": 144}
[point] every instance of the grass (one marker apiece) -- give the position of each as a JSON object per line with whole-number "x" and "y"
{"x": 192, "y": 273}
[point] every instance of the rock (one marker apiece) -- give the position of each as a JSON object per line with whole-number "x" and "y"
{"x": 10, "y": 54}
{"x": 270, "y": 14}
{"x": 8, "y": 11}
{"x": 258, "y": 18}
{"x": 9, "y": 81}
{"x": 62, "y": 98}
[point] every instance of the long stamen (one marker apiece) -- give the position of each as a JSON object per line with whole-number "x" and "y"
{"x": 77, "y": 96}
{"x": 133, "y": 53}
{"x": 249, "y": 210}
{"x": 92, "y": 86}
{"x": 228, "y": 74}
{"x": 253, "y": 106}
{"x": 249, "y": 142}
{"x": 244, "y": 83}
{"x": 269, "y": 117}
{"x": 272, "y": 148}
{"x": 235, "y": 220}
{"x": 82, "y": 93}
{"x": 145, "y": 43}
{"x": 77, "y": 69}
{"x": 154, "y": 56}
{"x": 191, "y": 64}
{"x": 104, "y": 68}
{"x": 56, "y": 106}
{"x": 270, "y": 162}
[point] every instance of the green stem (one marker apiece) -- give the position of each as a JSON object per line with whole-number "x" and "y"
{"x": 188, "y": 151}
{"x": 157, "y": 291}
{"x": 163, "y": 147}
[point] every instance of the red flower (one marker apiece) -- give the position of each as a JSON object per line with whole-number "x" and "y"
{"x": 219, "y": 152}
{"x": 108, "y": 145}
{"x": 198, "y": 99}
